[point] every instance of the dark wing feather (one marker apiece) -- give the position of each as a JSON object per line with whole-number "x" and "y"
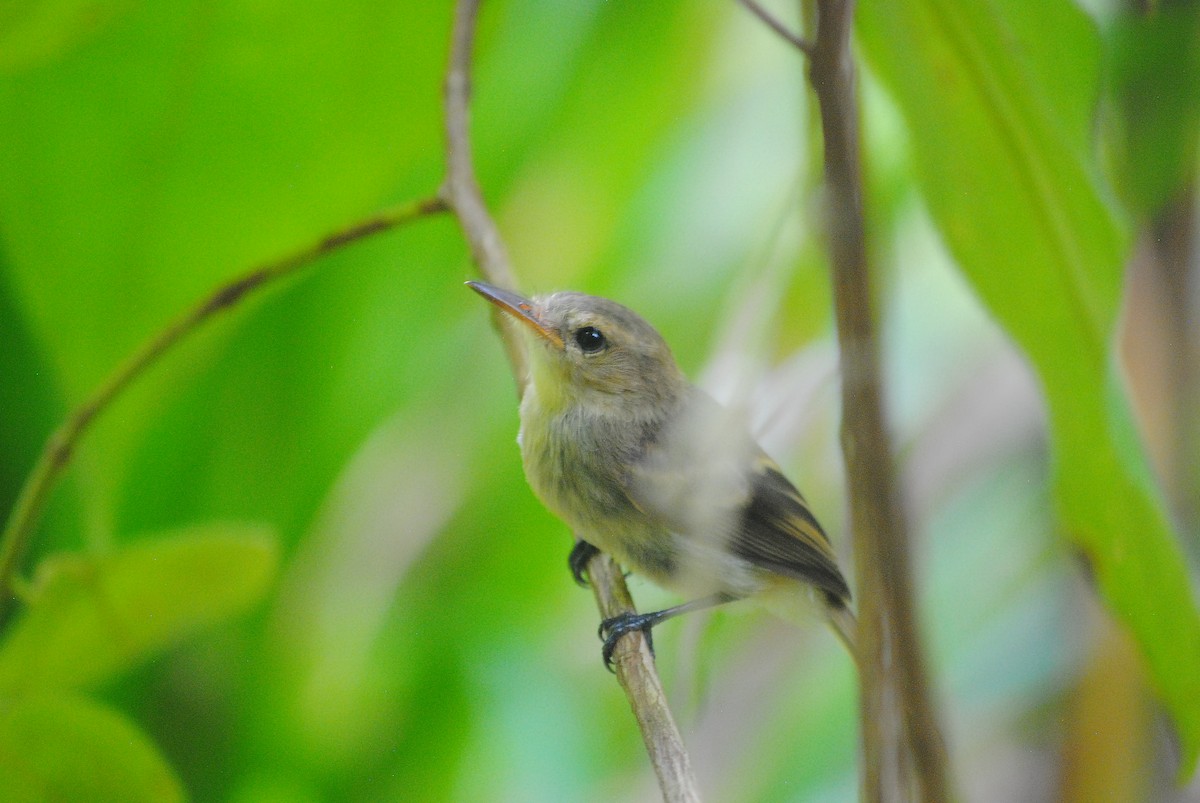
{"x": 779, "y": 533}
{"x": 698, "y": 464}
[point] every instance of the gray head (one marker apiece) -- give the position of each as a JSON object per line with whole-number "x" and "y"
{"x": 589, "y": 350}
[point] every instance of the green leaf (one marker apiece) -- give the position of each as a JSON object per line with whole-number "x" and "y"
{"x": 1155, "y": 64}
{"x": 1016, "y": 197}
{"x": 89, "y": 618}
{"x": 182, "y": 143}
{"x": 35, "y": 31}
{"x": 63, "y": 747}
{"x": 1068, "y": 80}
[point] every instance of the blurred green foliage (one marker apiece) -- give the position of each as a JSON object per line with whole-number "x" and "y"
{"x": 422, "y": 638}
{"x": 87, "y": 619}
{"x": 1011, "y": 180}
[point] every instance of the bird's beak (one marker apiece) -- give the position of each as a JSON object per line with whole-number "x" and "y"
{"x": 520, "y": 308}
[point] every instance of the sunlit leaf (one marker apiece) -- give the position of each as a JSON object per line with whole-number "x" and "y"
{"x": 65, "y": 747}
{"x": 1019, "y": 204}
{"x": 89, "y": 618}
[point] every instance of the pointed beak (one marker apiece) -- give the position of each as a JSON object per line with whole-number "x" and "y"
{"x": 519, "y": 308}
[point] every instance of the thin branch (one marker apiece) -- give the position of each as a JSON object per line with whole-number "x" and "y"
{"x": 801, "y": 44}
{"x": 460, "y": 190}
{"x": 60, "y": 447}
{"x": 888, "y": 637}
{"x": 634, "y": 664}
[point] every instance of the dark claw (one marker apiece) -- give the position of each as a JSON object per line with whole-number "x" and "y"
{"x": 612, "y": 629}
{"x": 578, "y": 560}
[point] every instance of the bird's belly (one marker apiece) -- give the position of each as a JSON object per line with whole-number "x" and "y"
{"x": 568, "y": 474}
{"x": 572, "y": 471}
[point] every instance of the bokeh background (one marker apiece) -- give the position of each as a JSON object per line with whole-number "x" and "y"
{"x": 401, "y": 623}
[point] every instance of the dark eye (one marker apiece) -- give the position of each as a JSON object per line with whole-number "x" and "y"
{"x": 590, "y": 339}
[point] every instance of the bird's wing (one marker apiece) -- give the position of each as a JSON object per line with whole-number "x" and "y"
{"x": 777, "y": 531}
{"x": 724, "y": 486}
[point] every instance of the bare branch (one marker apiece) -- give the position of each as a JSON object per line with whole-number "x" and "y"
{"x": 59, "y": 448}
{"x": 888, "y": 634}
{"x": 634, "y": 664}
{"x": 460, "y": 190}
{"x": 803, "y": 45}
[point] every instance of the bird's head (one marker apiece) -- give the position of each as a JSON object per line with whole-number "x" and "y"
{"x": 586, "y": 350}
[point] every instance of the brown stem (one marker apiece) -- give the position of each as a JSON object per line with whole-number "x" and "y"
{"x": 888, "y": 637}
{"x": 634, "y": 664}
{"x": 460, "y": 190}
{"x": 1174, "y": 234}
{"x": 60, "y": 446}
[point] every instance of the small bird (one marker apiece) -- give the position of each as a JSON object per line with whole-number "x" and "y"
{"x": 648, "y": 468}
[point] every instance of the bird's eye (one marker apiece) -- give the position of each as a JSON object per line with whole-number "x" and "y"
{"x": 590, "y": 339}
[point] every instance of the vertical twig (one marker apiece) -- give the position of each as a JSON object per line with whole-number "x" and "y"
{"x": 889, "y": 638}
{"x": 632, "y": 659}
{"x": 636, "y": 672}
{"x": 60, "y": 447}
{"x": 460, "y": 190}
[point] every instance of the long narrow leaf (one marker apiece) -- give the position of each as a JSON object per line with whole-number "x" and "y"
{"x": 1015, "y": 193}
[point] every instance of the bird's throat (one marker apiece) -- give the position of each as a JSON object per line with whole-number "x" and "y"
{"x": 549, "y": 384}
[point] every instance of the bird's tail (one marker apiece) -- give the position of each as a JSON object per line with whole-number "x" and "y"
{"x": 797, "y": 603}
{"x": 844, "y": 624}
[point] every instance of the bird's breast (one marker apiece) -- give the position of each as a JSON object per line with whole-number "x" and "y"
{"x": 570, "y": 463}
{"x": 576, "y": 462}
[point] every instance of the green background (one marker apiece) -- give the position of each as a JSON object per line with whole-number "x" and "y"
{"x": 301, "y": 560}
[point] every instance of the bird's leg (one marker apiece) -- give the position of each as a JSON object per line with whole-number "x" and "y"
{"x": 612, "y": 629}
{"x": 581, "y": 553}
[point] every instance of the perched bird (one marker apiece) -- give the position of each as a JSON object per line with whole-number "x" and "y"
{"x": 646, "y": 467}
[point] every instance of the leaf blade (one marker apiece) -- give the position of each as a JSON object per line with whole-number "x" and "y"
{"x": 1021, "y": 209}
{"x": 63, "y": 747}
{"x": 91, "y": 618}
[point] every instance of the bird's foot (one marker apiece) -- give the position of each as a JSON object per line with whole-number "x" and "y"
{"x": 611, "y": 631}
{"x": 578, "y": 560}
